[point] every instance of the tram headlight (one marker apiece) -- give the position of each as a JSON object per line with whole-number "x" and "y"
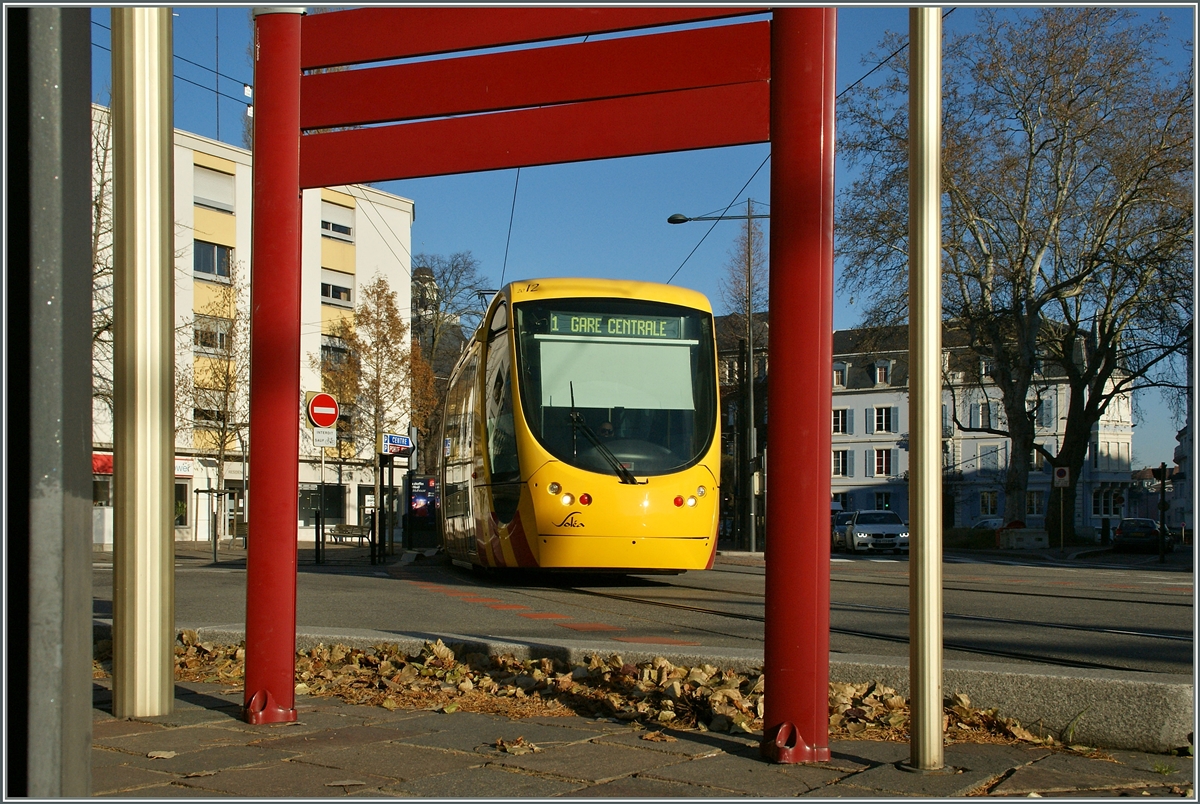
{"x": 554, "y": 488}
{"x": 701, "y": 491}
{"x": 567, "y": 499}
{"x": 691, "y": 502}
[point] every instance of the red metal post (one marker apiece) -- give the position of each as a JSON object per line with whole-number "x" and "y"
{"x": 796, "y": 654}
{"x": 275, "y": 370}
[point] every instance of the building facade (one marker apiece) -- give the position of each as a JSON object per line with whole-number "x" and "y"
{"x": 350, "y": 235}
{"x": 870, "y": 453}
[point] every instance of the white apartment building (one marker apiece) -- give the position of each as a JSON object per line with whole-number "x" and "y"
{"x": 350, "y": 235}
{"x": 870, "y": 438}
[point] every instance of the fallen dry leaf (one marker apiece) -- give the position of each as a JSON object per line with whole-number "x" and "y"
{"x": 659, "y": 737}
{"x": 161, "y": 754}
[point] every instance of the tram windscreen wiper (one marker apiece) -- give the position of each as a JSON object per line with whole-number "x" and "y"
{"x": 578, "y": 423}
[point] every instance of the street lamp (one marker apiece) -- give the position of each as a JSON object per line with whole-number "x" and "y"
{"x": 751, "y": 436}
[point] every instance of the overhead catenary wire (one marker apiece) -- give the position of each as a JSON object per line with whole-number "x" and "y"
{"x": 714, "y": 223}
{"x": 508, "y": 239}
{"x": 864, "y": 77}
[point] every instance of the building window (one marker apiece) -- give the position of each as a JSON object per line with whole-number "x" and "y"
{"x": 1107, "y": 502}
{"x": 841, "y": 463}
{"x": 840, "y": 421}
{"x": 882, "y": 373}
{"x": 839, "y": 376}
{"x": 989, "y": 503}
{"x": 101, "y": 492}
{"x": 1037, "y": 461}
{"x": 181, "y": 505}
{"x": 211, "y": 259}
{"x": 337, "y": 222}
{"x": 337, "y": 288}
{"x": 884, "y": 420}
{"x": 334, "y": 350}
{"x": 842, "y": 498}
{"x": 1095, "y": 454}
{"x": 206, "y": 417}
{"x": 883, "y": 500}
{"x": 883, "y": 462}
{"x": 335, "y": 293}
{"x": 212, "y": 333}
{"x": 212, "y": 189}
{"x": 1035, "y": 503}
{"x": 989, "y": 457}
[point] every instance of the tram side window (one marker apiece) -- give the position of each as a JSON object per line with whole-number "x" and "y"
{"x": 501, "y": 435}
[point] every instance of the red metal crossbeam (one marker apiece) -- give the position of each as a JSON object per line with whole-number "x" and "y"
{"x": 380, "y": 34}
{"x": 728, "y": 54}
{"x": 643, "y": 124}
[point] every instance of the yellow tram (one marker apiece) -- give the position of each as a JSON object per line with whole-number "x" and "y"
{"x": 581, "y": 430}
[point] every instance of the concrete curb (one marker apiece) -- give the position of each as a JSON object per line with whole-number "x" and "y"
{"x": 1104, "y": 708}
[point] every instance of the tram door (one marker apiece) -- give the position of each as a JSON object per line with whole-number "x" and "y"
{"x": 458, "y": 460}
{"x": 504, "y": 469}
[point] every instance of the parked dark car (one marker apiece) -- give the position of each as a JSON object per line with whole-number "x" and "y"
{"x": 1139, "y": 534}
{"x": 840, "y": 521}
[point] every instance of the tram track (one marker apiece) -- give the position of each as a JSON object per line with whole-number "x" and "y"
{"x": 966, "y": 589}
{"x": 947, "y": 645}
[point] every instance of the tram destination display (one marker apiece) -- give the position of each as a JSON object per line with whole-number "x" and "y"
{"x": 616, "y": 326}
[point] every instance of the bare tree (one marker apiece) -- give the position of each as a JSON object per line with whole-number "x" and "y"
{"x": 1067, "y": 164}
{"x": 212, "y": 389}
{"x": 746, "y": 278}
{"x": 449, "y": 298}
{"x": 102, "y": 257}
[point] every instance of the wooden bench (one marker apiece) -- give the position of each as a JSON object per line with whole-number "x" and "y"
{"x": 341, "y": 533}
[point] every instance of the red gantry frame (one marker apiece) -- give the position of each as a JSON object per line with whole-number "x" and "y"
{"x": 745, "y": 80}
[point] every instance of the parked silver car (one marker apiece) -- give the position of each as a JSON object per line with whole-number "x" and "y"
{"x": 876, "y": 530}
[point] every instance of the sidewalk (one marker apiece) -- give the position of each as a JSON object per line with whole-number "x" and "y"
{"x": 203, "y": 749}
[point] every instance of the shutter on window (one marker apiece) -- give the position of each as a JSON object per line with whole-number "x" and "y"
{"x": 974, "y": 415}
{"x": 869, "y": 463}
{"x": 895, "y": 466}
{"x": 869, "y": 421}
{"x": 849, "y": 463}
{"x": 850, "y": 421}
{"x": 994, "y": 414}
{"x": 895, "y": 420}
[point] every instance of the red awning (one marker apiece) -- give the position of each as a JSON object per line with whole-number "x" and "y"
{"x": 102, "y": 463}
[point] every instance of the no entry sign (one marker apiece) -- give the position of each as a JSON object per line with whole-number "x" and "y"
{"x": 323, "y": 410}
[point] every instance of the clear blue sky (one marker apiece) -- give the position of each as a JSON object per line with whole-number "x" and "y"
{"x": 605, "y": 218}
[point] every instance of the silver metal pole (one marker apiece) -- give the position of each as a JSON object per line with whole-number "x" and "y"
{"x": 144, "y": 364}
{"x": 48, "y": 430}
{"x": 751, "y": 438}
{"x": 925, "y": 390}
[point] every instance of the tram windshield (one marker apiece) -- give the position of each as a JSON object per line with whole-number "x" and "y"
{"x": 632, "y": 378}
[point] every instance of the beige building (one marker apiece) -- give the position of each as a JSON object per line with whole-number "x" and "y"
{"x": 350, "y": 235}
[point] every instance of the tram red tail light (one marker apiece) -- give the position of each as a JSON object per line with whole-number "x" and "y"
{"x": 679, "y": 501}
{"x": 585, "y": 499}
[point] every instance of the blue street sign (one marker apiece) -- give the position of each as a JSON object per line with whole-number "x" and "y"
{"x": 394, "y": 444}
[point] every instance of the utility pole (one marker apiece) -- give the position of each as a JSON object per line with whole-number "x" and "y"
{"x": 751, "y": 437}
{"x": 1162, "y": 513}
{"x": 751, "y": 440}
